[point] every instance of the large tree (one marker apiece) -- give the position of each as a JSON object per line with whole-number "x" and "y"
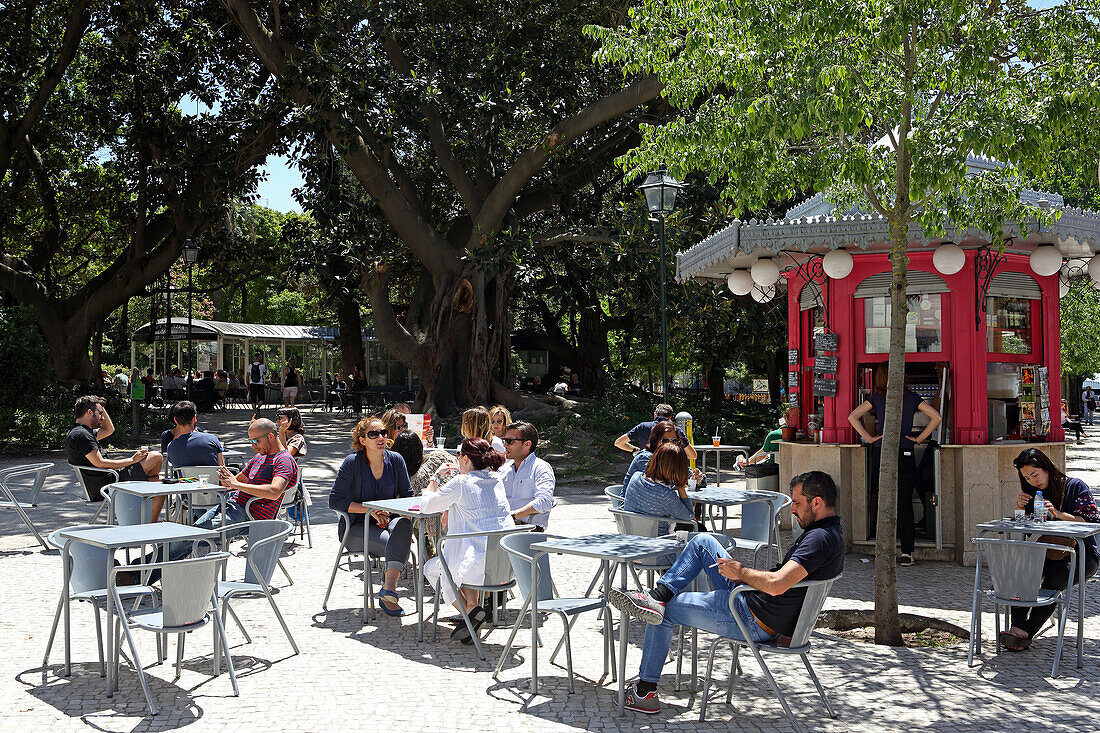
{"x": 103, "y": 174}
{"x": 462, "y": 122}
{"x": 879, "y": 103}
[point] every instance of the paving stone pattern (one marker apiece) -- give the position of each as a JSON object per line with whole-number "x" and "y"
{"x": 376, "y": 676}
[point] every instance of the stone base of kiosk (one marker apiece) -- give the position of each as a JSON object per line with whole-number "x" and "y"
{"x": 977, "y": 483}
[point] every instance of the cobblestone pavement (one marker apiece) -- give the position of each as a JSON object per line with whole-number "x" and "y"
{"x": 378, "y": 676}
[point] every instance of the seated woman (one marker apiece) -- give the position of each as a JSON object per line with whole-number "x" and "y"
{"x": 661, "y": 491}
{"x": 663, "y": 433}
{"x": 475, "y": 501}
{"x": 1068, "y": 500}
{"x": 499, "y": 419}
{"x": 423, "y": 467}
{"x": 475, "y": 424}
{"x": 373, "y": 473}
{"x": 1075, "y": 426}
{"x": 395, "y": 423}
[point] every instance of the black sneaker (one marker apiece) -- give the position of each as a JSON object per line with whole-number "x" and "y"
{"x": 905, "y": 559}
{"x": 641, "y": 606}
{"x": 462, "y": 631}
{"x": 646, "y": 704}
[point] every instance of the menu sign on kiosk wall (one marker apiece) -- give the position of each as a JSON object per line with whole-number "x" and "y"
{"x": 792, "y": 357}
{"x": 826, "y": 342}
{"x": 792, "y": 379}
{"x": 1029, "y": 408}
{"x": 825, "y": 364}
{"x": 824, "y": 387}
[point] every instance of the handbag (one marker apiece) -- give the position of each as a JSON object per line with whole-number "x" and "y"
{"x": 1064, "y": 541}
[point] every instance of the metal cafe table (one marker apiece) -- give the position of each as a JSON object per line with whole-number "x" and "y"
{"x": 112, "y": 538}
{"x": 607, "y": 548}
{"x": 723, "y": 498}
{"x": 146, "y": 490}
{"x": 1078, "y": 531}
{"x": 704, "y": 448}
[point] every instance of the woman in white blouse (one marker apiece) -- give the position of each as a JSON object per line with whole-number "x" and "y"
{"x": 475, "y": 501}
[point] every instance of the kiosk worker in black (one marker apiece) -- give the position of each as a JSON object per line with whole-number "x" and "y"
{"x": 1067, "y": 500}
{"x": 907, "y": 466}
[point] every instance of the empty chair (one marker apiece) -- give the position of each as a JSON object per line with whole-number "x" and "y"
{"x": 816, "y": 593}
{"x": 188, "y": 602}
{"x": 518, "y": 549}
{"x": 97, "y": 499}
{"x": 197, "y": 504}
{"x": 760, "y": 526}
{"x": 265, "y": 543}
{"x": 126, "y": 510}
{"x": 88, "y": 579}
{"x": 1016, "y": 573}
{"x": 18, "y": 474}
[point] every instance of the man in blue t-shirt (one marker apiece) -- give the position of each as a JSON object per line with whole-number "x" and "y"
{"x": 638, "y": 436}
{"x": 191, "y": 447}
{"x": 769, "y": 611}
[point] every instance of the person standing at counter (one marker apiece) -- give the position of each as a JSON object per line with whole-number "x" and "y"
{"x": 1067, "y": 500}
{"x": 907, "y": 466}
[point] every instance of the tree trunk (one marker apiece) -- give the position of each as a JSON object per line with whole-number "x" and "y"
{"x": 887, "y": 625}
{"x": 716, "y": 380}
{"x": 351, "y": 334}
{"x": 592, "y": 352}
{"x": 775, "y": 377}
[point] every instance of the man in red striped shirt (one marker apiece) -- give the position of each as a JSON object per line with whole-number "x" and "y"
{"x": 270, "y": 473}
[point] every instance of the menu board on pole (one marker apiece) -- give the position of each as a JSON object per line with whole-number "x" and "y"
{"x": 826, "y": 342}
{"x": 792, "y": 380}
{"x": 824, "y": 387}
{"x": 792, "y": 357}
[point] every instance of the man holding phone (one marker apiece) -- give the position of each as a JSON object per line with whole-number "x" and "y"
{"x": 770, "y": 611}
{"x": 270, "y": 473}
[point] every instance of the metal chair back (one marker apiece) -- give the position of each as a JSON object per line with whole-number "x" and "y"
{"x": 518, "y": 548}
{"x": 128, "y": 510}
{"x": 498, "y": 568}
{"x": 88, "y": 565}
{"x": 203, "y": 499}
{"x": 615, "y": 493}
{"x": 1015, "y": 566}
{"x": 186, "y": 588}
{"x": 38, "y": 470}
{"x": 261, "y": 557}
{"x": 816, "y": 593}
{"x": 760, "y": 519}
{"x": 112, "y": 476}
{"x": 643, "y": 525}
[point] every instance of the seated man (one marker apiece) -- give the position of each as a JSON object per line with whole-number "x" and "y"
{"x": 203, "y": 392}
{"x": 769, "y": 611}
{"x": 191, "y": 445}
{"x": 638, "y": 435}
{"x": 270, "y": 473}
{"x": 528, "y": 480}
{"x": 93, "y": 424}
{"x": 767, "y": 449}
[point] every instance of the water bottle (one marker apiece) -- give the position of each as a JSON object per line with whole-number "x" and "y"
{"x": 1040, "y": 507}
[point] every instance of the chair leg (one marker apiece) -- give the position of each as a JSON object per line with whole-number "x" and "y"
{"x": 180, "y": 640}
{"x": 137, "y": 666}
{"x": 1064, "y": 608}
{"x": 706, "y": 680}
{"x": 679, "y": 657}
{"x": 332, "y": 576}
{"x": 775, "y": 687}
{"x": 99, "y": 640}
{"x": 568, "y": 652}
{"x": 511, "y": 638}
{"x": 309, "y": 531}
{"x": 53, "y": 630}
{"x": 734, "y": 647}
{"x": 817, "y": 684}
{"x": 279, "y": 616}
{"x": 290, "y": 580}
{"x": 225, "y": 647}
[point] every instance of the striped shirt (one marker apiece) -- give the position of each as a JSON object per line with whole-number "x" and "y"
{"x": 260, "y": 471}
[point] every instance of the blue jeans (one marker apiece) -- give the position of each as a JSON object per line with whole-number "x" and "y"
{"x": 234, "y": 513}
{"x": 707, "y": 611}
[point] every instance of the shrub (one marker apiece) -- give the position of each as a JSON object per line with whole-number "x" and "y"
{"x": 23, "y": 358}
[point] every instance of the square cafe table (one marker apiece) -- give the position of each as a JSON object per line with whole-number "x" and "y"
{"x": 607, "y": 548}
{"x": 1078, "y": 531}
{"x": 113, "y": 538}
{"x": 704, "y": 448}
{"x": 724, "y": 497}
{"x": 406, "y": 507}
{"x": 146, "y": 490}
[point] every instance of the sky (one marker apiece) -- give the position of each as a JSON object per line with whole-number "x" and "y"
{"x": 277, "y": 191}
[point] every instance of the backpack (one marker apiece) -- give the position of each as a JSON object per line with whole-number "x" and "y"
{"x": 256, "y": 374}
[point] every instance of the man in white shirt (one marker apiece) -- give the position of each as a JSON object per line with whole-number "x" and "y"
{"x": 528, "y": 480}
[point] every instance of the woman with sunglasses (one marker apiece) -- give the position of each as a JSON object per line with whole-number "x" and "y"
{"x": 475, "y": 501}
{"x": 1067, "y": 500}
{"x": 475, "y": 424}
{"x": 499, "y": 419}
{"x": 373, "y": 473}
{"x": 663, "y": 433}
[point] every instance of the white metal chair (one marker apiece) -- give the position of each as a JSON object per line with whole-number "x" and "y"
{"x": 644, "y": 525}
{"x": 199, "y": 503}
{"x": 286, "y": 501}
{"x": 188, "y": 602}
{"x": 816, "y": 593}
{"x": 1016, "y": 574}
{"x": 9, "y": 476}
{"x": 518, "y": 547}
{"x": 265, "y": 543}
{"x": 760, "y": 526}
{"x": 344, "y": 522}
{"x": 89, "y": 499}
{"x": 126, "y": 510}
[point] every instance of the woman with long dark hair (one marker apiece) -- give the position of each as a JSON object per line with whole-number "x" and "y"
{"x": 1068, "y": 500}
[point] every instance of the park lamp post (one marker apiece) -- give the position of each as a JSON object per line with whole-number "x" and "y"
{"x": 190, "y": 255}
{"x": 660, "y": 191}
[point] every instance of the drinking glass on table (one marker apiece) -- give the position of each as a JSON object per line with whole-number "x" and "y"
{"x": 717, "y": 440}
{"x": 203, "y": 482}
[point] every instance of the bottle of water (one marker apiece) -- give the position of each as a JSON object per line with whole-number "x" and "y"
{"x": 1040, "y": 507}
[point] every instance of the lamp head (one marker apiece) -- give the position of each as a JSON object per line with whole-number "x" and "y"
{"x": 190, "y": 251}
{"x": 660, "y": 190}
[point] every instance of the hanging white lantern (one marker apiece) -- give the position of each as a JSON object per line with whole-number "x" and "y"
{"x": 948, "y": 259}
{"x": 739, "y": 282}
{"x": 1094, "y": 270}
{"x": 1063, "y": 286}
{"x": 765, "y": 272}
{"x": 837, "y": 264}
{"x": 1046, "y": 260}
{"x": 763, "y": 295}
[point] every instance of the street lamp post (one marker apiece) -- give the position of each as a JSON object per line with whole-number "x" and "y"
{"x": 660, "y": 191}
{"x": 190, "y": 255}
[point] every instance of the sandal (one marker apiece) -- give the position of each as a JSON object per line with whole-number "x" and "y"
{"x": 384, "y": 593}
{"x": 1014, "y": 643}
{"x": 462, "y": 631}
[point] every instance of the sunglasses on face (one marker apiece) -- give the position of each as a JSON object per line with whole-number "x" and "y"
{"x": 509, "y": 441}
{"x": 254, "y": 441}
{"x": 662, "y": 441}
{"x": 375, "y": 434}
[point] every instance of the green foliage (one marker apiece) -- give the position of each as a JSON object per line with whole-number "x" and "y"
{"x": 22, "y": 358}
{"x": 1081, "y": 328}
{"x": 42, "y": 420}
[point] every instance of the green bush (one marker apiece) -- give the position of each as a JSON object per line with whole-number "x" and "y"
{"x": 41, "y": 422}
{"x": 22, "y": 352}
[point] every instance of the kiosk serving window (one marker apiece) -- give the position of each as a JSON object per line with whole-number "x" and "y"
{"x": 923, "y": 324}
{"x": 1008, "y": 326}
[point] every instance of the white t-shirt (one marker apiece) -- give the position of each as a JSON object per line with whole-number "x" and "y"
{"x": 560, "y": 387}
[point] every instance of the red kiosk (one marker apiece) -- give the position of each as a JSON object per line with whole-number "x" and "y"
{"x": 982, "y": 347}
